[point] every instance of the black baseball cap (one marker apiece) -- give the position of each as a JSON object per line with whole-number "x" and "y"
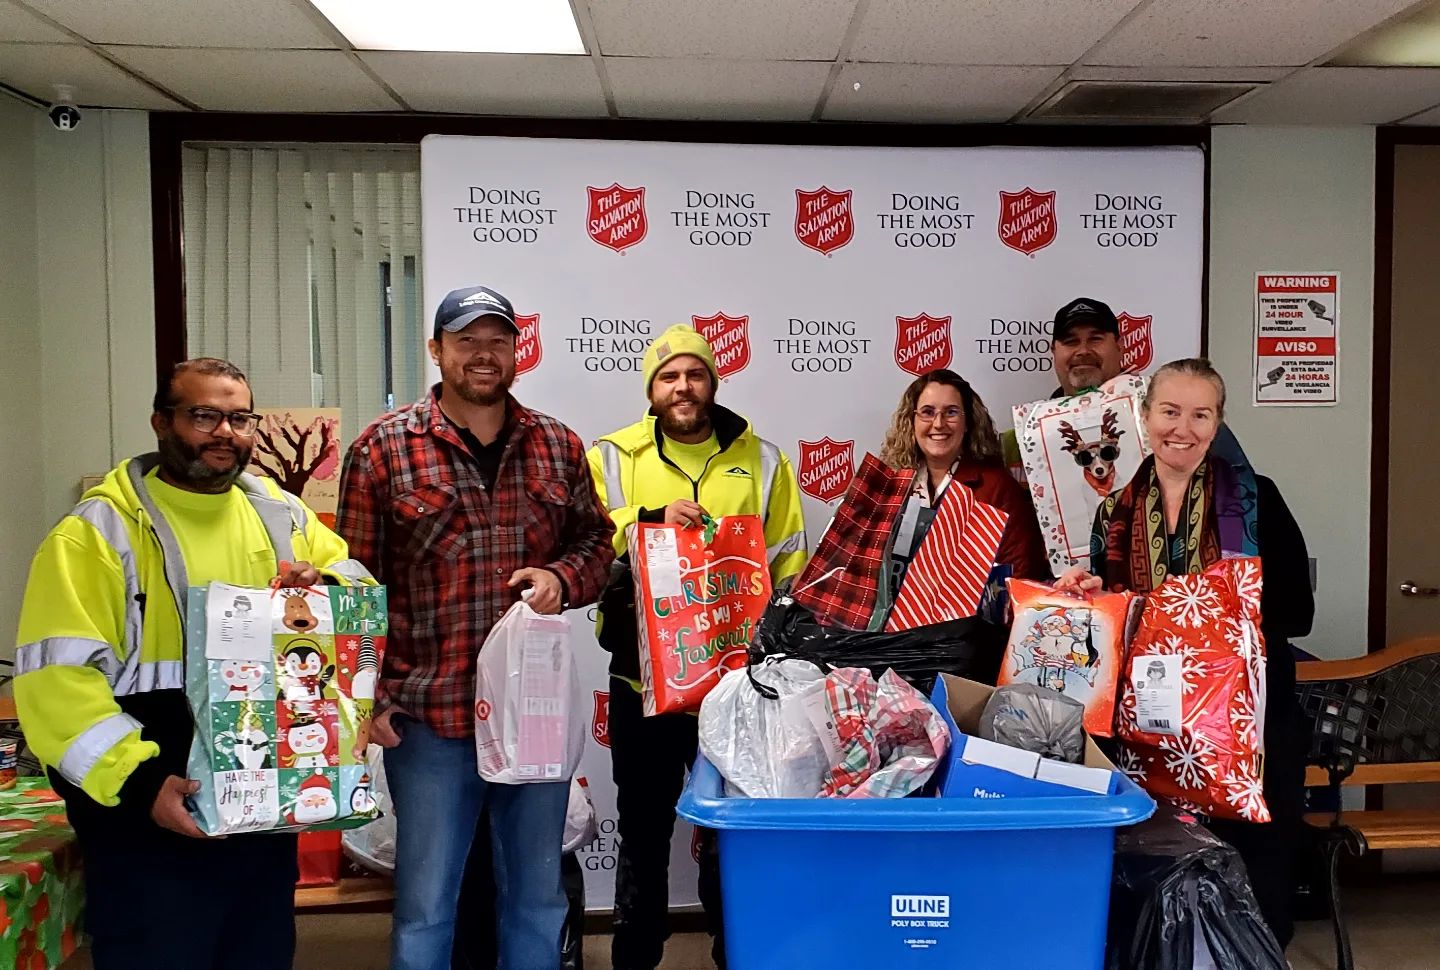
{"x": 1085, "y": 312}
{"x": 462, "y": 307}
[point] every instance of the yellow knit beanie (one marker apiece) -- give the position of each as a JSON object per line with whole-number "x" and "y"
{"x": 675, "y": 342}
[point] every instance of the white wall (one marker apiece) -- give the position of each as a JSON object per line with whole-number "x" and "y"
{"x": 22, "y": 407}
{"x": 97, "y": 306}
{"x": 1303, "y": 199}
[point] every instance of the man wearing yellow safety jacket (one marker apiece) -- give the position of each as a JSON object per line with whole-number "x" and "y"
{"x": 100, "y": 680}
{"x": 687, "y": 458}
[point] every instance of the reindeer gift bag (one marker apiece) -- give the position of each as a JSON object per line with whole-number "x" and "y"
{"x": 1077, "y": 450}
{"x": 282, "y": 685}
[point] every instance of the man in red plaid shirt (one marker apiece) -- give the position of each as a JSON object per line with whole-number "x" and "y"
{"x": 457, "y": 504}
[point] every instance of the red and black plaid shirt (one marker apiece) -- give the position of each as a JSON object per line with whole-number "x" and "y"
{"x": 416, "y": 512}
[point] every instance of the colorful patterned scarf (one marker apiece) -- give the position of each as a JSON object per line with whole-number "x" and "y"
{"x": 1130, "y": 547}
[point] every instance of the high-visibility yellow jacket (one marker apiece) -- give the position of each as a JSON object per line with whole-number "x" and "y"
{"x": 100, "y": 660}
{"x": 747, "y": 476}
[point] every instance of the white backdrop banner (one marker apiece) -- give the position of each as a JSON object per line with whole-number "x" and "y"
{"x": 826, "y": 279}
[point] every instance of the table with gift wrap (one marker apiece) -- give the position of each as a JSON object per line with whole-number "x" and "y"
{"x": 42, "y": 890}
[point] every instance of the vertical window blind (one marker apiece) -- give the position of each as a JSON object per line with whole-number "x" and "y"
{"x": 302, "y": 266}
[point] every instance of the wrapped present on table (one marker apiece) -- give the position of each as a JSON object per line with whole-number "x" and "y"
{"x": 699, "y": 595}
{"x": 42, "y": 885}
{"x": 282, "y": 686}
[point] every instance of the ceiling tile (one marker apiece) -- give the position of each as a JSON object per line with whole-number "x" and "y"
{"x": 984, "y": 31}
{"x": 938, "y": 94}
{"x": 1159, "y": 73}
{"x": 1431, "y": 117}
{"x": 716, "y": 90}
{"x": 195, "y": 23}
{"x": 493, "y": 84}
{"x": 765, "y": 30}
{"x": 18, "y": 24}
{"x": 37, "y": 68}
{"x": 1338, "y": 96}
{"x": 1221, "y": 33}
{"x": 226, "y": 80}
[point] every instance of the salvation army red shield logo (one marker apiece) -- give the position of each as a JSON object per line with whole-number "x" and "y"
{"x": 729, "y": 338}
{"x": 824, "y": 219}
{"x": 528, "y": 349}
{"x": 826, "y": 468}
{"x": 600, "y": 723}
{"x": 1027, "y": 220}
{"x": 922, "y": 343}
{"x": 1137, "y": 343}
{"x": 617, "y": 216}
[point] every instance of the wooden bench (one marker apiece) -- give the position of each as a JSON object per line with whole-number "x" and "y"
{"x": 1375, "y": 720}
{"x": 357, "y": 893}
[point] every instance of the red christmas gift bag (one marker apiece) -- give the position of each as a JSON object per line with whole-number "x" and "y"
{"x": 699, "y": 594}
{"x": 1192, "y": 703}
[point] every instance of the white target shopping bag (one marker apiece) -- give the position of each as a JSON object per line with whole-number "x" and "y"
{"x": 530, "y": 714}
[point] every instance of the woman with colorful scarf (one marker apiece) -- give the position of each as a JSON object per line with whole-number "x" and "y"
{"x": 1194, "y": 501}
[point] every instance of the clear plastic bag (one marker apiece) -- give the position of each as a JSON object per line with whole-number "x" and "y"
{"x": 755, "y": 731}
{"x": 373, "y": 845}
{"x": 530, "y": 718}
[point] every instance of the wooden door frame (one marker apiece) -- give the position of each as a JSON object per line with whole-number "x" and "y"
{"x": 1387, "y": 140}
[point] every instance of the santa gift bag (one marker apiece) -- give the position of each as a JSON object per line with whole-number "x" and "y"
{"x": 1192, "y": 702}
{"x": 530, "y": 718}
{"x": 699, "y": 595}
{"x": 1075, "y": 451}
{"x": 1070, "y": 644}
{"x": 282, "y": 684}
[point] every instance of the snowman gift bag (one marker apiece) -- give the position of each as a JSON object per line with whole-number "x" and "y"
{"x": 282, "y": 686}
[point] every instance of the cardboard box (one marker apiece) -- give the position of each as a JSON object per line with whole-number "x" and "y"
{"x": 976, "y": 768}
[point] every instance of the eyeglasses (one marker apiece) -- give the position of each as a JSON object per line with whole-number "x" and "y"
{"x": 242, "y": 423}
{"x": 930, "y": 412}
{"x": 1087, "y": 457}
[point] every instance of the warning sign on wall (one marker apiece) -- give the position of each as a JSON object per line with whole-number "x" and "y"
{"x": 1296, "y": 334}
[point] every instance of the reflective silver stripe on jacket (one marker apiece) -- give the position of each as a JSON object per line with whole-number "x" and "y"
{"x": 350, "y": 569}
{"x": 105, "y": 519}
{"x": 794, "y": 542}
{"x": 610, "y": 468}
{"x": 769, "y": 466}
{"x": 67, "y": 652}
{"x": 175, "y": 573}
{"x": 93, "y": 744}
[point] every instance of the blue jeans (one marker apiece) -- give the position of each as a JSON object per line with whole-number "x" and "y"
{"x": 439, "y": 796}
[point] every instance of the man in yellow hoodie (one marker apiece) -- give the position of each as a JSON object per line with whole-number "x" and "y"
{"x": 688, "y": 457}
{"x": 100, "y": 680}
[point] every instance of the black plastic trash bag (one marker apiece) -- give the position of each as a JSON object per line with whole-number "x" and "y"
{"x": 1181, "y": 901}
{"x": 969, "y": 648}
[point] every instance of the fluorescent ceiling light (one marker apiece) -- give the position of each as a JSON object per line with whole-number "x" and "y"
{"x": 473, "y": 26}
{"x": 1412, "y": 41}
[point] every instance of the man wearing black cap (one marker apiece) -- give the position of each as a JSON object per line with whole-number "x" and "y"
{"x": 1085, "y": 346}
{"x": 457, "y": 503}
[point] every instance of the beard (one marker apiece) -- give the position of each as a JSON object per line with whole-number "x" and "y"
{"x": 1086, "y": 372}
{"x": 187, "y": 465}
{"x": 455, "y": 380}
{"x": 673, "y": 424}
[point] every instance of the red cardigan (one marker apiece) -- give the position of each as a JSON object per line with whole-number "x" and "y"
{"x": 1022, "y": 547}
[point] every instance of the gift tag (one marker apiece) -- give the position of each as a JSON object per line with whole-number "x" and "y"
{"x": 662, "y": 562}
{"x": 238, "y": 621}
{"x": 1157, "y": 682}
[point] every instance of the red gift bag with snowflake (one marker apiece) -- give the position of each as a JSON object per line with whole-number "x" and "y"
{"x": 1192, "y": 702}
{"x": 699, "y": 595}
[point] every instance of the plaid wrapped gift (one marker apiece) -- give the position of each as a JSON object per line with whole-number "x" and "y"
{"x": 890, "y": 739}
{"x": 840, "y": 585}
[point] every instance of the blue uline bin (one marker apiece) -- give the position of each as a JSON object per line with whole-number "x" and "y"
{"x": 1019, "y": 883}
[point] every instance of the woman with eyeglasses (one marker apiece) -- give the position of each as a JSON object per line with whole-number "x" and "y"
{"x": 943, "y": 430}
